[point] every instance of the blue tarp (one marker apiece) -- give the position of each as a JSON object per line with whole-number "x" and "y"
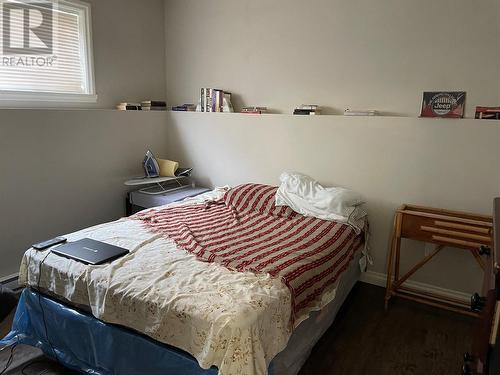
{"x": 84, "y": 343}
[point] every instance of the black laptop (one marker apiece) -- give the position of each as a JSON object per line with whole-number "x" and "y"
{"x": 90, "y": 251}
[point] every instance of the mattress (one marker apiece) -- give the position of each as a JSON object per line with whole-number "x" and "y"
{"x": 237, "y": 321}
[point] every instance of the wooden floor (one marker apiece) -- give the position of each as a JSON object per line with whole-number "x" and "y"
{"x": 409, "y": 339}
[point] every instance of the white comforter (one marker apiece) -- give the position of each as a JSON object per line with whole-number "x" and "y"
{"x": 235, "y": 321}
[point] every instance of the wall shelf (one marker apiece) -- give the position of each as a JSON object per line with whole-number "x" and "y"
{"x": 267, "y": 115}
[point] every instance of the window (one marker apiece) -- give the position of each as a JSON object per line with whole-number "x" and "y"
{"x": 46, "y": 51}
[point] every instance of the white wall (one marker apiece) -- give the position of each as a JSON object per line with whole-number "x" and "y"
{"x": 360, "y": 54}
{"x": 443, "y": 163}
{"x": 336, "y": 53}
{"x": 129, "y": 51}
{"x": 63, "y": 170}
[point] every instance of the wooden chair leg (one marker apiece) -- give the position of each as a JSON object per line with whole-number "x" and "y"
{"x": 397, "y": 251}
{"x": 388, "y": 289}
{"x": 397, "y": 247}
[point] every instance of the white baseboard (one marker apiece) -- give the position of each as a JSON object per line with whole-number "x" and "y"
{"x": 379, "y": 279}
{"x": 10, "y": 282}
{"x": 5, "y": 279}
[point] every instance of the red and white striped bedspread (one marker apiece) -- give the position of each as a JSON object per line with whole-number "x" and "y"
{"x": 246, "y": 231}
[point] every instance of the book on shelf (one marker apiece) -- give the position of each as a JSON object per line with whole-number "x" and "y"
{"x": 307, "y": 110}
{"x": 227, "y": 102}
{"x": 208, "y": 100}
{"x": 214, "y": 100}
{"x": 311, "y": 107}
{"x": 154, "y": 105}
{"x": 184, "y": 108}
{"x": 217, "y": 100}
{"x": 357, "y": 112}
{"x": 487, "y": 113}
{"x": 254, "y": 110}
{"x": 127, "y": 106}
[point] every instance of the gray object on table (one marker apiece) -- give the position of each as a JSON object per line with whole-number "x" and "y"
{"x": 138, "y": 200}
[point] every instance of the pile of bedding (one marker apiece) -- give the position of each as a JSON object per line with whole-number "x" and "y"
{"x": 247, "y": 231}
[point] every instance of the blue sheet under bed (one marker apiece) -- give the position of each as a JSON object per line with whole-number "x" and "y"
{"x": 84, "y": 343}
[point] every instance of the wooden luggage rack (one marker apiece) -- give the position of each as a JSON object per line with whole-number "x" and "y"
{"x": 442, "y": 228}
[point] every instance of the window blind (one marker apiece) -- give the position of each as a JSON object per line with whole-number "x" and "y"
{"x": 66, "y": 68}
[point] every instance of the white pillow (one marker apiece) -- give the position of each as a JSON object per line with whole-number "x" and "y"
{"x": 307, "y": 197}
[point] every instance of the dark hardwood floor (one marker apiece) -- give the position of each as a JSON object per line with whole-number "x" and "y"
{"x": 409, "y": 339}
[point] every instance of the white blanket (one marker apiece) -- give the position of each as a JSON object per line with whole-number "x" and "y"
{"x": 308, "y": 197}
{"x": 235, "y": 321}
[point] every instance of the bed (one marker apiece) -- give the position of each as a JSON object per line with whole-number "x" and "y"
{"x": 220, "y": 319}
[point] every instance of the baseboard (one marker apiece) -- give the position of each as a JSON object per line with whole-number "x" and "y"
{"x": 10, "y": 281}
{"x": 379, "y": 279}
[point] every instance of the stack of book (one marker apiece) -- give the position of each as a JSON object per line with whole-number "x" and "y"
{"x": 488, "y": 113}
{"x": 154, "y": 105}
{"x": 128, "y": 106}
{"x": 184, "y": 108}
{"x": 353, "y": 112}
{"x": 307, "y": 109}
{"x": 214, "y": 100}
{"x": 254, "y": 110}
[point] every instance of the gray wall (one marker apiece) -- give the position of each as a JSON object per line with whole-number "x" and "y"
{"x": 337, "y": 53}
{"x": 62, "y": 170}
{"x": 129, "y": 51}
{"x": 389, "y": 160}
{"x": 359, "y": 54}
